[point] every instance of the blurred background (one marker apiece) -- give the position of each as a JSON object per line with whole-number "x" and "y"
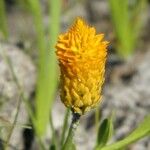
{"x": 29, "y": 74}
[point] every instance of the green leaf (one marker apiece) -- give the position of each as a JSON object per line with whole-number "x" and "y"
{"x": 105, "y": 132}
{"x": 73, "y": 147}
{"x": 65, "y": 126}
{"x": 47, "y": 65}
{"x": 141, "y": 131}
{"x": 120, "y": 19}
{"x": 52, "y": 147}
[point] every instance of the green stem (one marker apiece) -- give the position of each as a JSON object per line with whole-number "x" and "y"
{"x": 65, "y": 126}
{"x": 9, "y": 145}
{"x": 54, "y": 141}
{"x": 14, "y": 123}
{"x": 3, "y": 22}
{"x": 42, "y": 146}
{"x": 69, "y": 141}
{"x": 97, "y": 116}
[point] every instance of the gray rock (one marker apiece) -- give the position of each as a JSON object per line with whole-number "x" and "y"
{"x": 10, "y": 94}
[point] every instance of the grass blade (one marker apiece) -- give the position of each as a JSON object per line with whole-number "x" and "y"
{"x": 47, "y": 76}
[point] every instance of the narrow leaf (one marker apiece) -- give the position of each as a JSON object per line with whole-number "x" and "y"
{"x": 52, "y": 147}
{"x": 141, "y": 131}
{"x": 105, "y": 132}
{"x": 47, "y": 74}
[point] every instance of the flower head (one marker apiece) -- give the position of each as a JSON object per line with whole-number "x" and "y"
{"x": 82, "y": 55}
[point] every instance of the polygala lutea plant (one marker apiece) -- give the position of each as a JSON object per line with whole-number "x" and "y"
{"x": 82, "y": 56}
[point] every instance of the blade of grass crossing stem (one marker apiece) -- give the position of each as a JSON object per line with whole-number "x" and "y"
{"x": 3, "y": 22}
{"x": 141, "y": 131}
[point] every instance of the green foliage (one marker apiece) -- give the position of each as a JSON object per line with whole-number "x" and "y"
{"x": 141, "y": 131}
{"x": 47, "y": 75}
{"x": 3, "y": 22}
{"x": 104, "y": 132}
{"x": 69, "y": 143}
{"x": 52, "y": 147}
{"x": 65, "y": 126}
{"x": 127, "y": 21}
{"x": 54, "y": 141}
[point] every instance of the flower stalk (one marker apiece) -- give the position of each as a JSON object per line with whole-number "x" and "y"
{"x": 82, "y": 55}
{"x": 74, "y": 124}
{"x": 65, "y": 126}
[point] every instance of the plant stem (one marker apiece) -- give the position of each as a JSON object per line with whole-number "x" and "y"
{"x": 14, "y": 123}
{"x": 97, "y": 116}
{"x": 3, "y": 22}
{"x": 65, "y": 126}
{"x": 69, "y": 141}
{"x": 10, "y": 146}
{"x": 54, "y": 141}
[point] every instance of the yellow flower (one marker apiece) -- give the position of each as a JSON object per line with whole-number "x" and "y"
{"x": 82, "y": 55}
